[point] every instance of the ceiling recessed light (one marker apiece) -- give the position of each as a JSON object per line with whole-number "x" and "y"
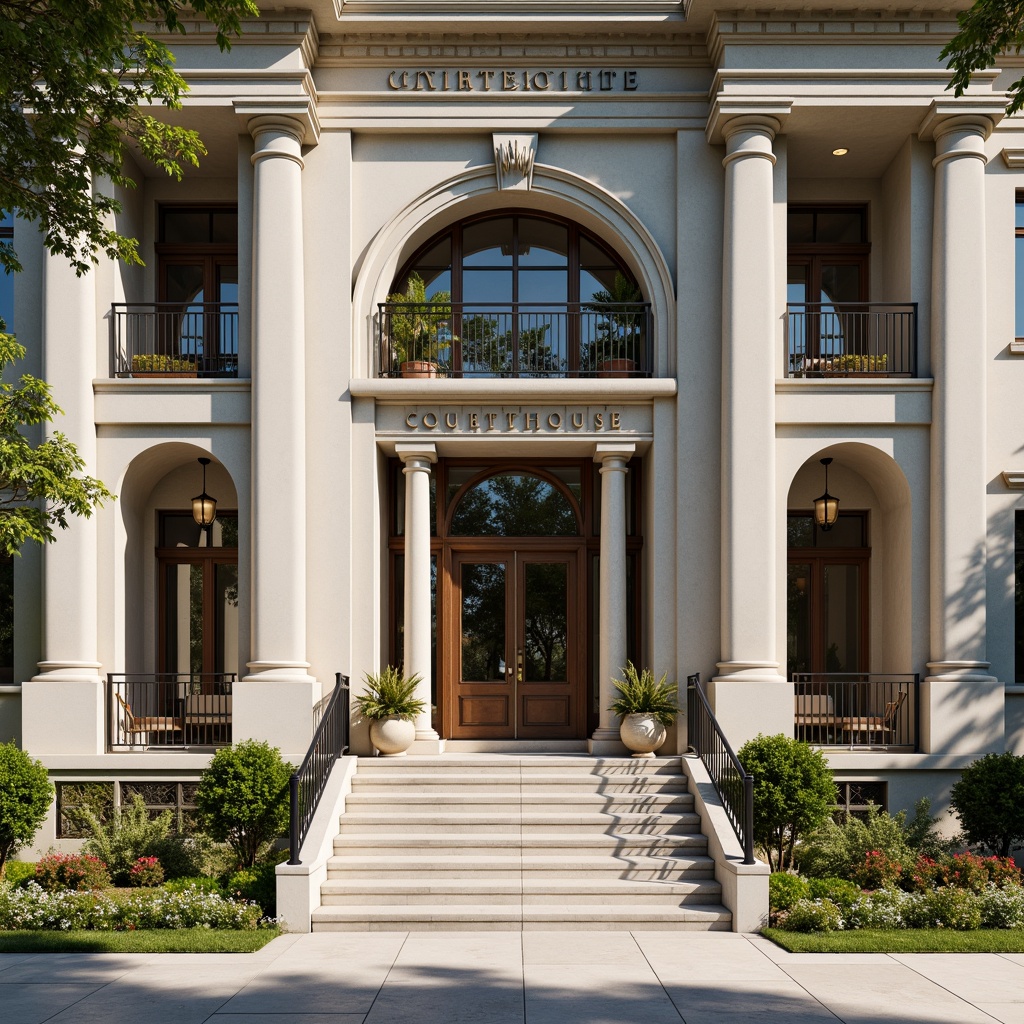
{"x": 840, "y": 152}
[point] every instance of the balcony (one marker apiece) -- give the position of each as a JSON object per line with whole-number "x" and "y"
{"x": 166, "y": 340}
{"x": 851, "y": 339}
{"x": 534, "y": 340}
{"x": 857, "y": 710}
{"x": 167, "y": 711}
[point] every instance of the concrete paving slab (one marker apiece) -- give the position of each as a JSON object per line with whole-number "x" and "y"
{"x": 548, "y": 948}
{"x": 592, "y": 994}
{"x": 98, "y": 968}
{"x": 463, "y": 995}
{"x": 338, "y": 990}
{"x": 463, "y": 947}
{"x": 975, "y": 977}
{"x": 702, "y": 1002}
{"x": 32, "y": 1004}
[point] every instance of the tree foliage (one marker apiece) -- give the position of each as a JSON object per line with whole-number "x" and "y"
{"x": 242, "y": 798}
{"x": 793, "y": 793}
{"x": 41, "y": 485}
{"x": 988, "y": 29}
{"x": 129, "y": 834}
{"x": 78, "y": 78}
{"x": 989, "y": 800}
{"x": 25, "y": 795}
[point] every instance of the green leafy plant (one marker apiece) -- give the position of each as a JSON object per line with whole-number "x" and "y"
{"x": 841, "y": 892}
{"x": 851, "y": 363}
{"x": 840, "y": 849}
{"x": 418, "y": 327}
{"x": 242, "y": 798}
{"x": 989, "y": 800}
{"x": 620, "y": 327}
{"x": 146, "y": 872}
{"x": 793, "y": 793}
{"x": 191, "y": 855}
{"x": 76, "y": 871}
{"x": 813, "y": 916}
{"x": 25, "y": 795}
{"x": 258, "y": 884}
{"x": 129, "y": 834}
{"x": 18, "y": 872}
{"x": 390, "y": 694}
{"x": 641, "y": 694}
{"x": 785, "y": 889}
{"x": 157, "y": 363}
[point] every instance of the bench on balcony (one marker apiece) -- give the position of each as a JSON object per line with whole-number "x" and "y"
{"x": 144, "y": 727}
{"x": 856, "y": 710}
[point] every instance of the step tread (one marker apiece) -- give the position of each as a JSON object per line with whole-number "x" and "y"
{"x": 526, "y": 885}
{"x": 520, "y": 912}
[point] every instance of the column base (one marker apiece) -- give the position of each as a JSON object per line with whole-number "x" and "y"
{"x": 427, "y": 745}
{"x": 63, "y": 710}
{"x": 607, "y": 743}
{"x": 959, "y": 671}
{"x": 962, "y": 715}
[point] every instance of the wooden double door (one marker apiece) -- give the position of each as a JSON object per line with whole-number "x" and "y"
{"x": 514, "y": 664}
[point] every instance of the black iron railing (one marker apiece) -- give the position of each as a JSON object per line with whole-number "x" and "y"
{"x": 734, "y": 786}
{"x": 857, "y": 710}
{"x": 168, "y": 710}
{"x": 521, "y": 339}
{"x": 851, "y": 339}
{"x": 330, "y": 741}
{"x": 170, "y": 339}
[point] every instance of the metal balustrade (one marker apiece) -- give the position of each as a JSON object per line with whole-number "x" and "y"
{"x": 167, "y": 339}
{"x": 851, "y": 339}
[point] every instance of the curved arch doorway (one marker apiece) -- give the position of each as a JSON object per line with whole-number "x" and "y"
{"x": 515, "y": 551}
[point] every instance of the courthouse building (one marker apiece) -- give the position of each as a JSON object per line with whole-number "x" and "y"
{"x": 520, "y": 339}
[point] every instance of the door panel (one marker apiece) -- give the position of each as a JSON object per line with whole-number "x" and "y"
{"x": 515, "y": 673}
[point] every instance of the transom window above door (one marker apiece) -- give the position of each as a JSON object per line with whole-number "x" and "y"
{"x": 515, "y": 294}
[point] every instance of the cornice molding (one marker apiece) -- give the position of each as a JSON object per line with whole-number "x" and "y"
{"x": 1013, "y": 479}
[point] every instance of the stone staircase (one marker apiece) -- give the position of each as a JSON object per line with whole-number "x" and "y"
{"x": 520, "y": 842}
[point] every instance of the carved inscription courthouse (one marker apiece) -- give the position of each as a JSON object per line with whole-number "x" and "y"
{"x": 485, "y": 80}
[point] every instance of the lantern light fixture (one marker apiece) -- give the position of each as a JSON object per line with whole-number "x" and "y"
{"x": 204, "y": 508}
{"x": 826, "y": 507}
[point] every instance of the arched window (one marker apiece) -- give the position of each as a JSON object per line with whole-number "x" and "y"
{"x": 514, "y": 505}
{"x": 516, "y": 294}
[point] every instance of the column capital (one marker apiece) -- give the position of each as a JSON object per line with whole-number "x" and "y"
{"x": 288, "y": 115}
{"x": 732, "y": 114}
{"x": 964, "y": 115}
{"x": 609, "y": 454}
{"x": 412, "y": 454}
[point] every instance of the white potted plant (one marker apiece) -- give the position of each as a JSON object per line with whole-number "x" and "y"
{"x": 391, "y": 708}
{"x": 647, "y": 707}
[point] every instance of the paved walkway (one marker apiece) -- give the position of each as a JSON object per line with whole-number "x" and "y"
{"x": 581, "y": 977}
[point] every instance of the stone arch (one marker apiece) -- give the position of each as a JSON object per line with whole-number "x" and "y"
{"x": 864, "y": 476}
{"x": 555, "y": 191}
{"x": 163, "y": 477}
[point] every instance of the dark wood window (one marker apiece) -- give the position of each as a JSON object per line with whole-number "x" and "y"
{"x": 1019, "y": 271}
{"x": 1018, "y": 596}
{"x": 827, "y": 594}
{"x": 854, "y": 799}
{"x": 198, "y": 595}
{"x": 6, "y": 279}
{"x": 197, "y": 271}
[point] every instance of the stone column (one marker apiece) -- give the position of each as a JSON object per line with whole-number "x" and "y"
{"x": 274, "y": 701}
{"x": 958, "y": 676}
{"x": 613, "y": 626}
{"x": 63, "y": 706}
{"x": 742, "y": 691}
{"x": 416, "y": 462}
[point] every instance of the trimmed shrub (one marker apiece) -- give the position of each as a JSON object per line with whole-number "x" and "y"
{"x": 793, "y": 793}
{"x": 841, "y": 892}
{"x": 200, "y": 883}
{"x": 840, "y": 851}
{"x": 129, "y": 835}
{"x": 884, "y": 908}
{"x": 785, "y": 889}
{"x": 75, "y": 871}
{"x": 1002, "y": 907}
{"x": 989, "y": 800}
{"x": 876, "y": 871}
{"x": 19, "y": 872}
{"x": 190, "y": 856}
{"x": 257, "y": 884}
{"x": 813, "y": 916}
{"x": 947, "y": 907}
{"x": 145, "y": 873}
{"x": 25, "y": 797}
{"x": 242, "y": 798}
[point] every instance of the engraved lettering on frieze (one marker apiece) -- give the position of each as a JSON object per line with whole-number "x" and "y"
{"x": 512, "y": 80}
{"x": 510, "y": 421}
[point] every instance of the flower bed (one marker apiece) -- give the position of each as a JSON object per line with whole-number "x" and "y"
{"x": 32, "y": 907}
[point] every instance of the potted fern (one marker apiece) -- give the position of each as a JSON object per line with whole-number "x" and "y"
{"x": 617, "y": 347}
{"x": 647, "y": 707}
{"x": 419, "y": 328}
{"x": 390, "y": 705}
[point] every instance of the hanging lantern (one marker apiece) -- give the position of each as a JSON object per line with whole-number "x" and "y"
{"x": 204, "y": 508}
{"x": 826, "y": 507}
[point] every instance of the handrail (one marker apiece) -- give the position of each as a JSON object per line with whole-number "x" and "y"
{"x": 723, "y": 766}
{"x": 306, "y": 786}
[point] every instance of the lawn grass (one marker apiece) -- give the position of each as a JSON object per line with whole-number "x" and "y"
{"x": 152, "y": 940}
{"x": 908, "y": 940}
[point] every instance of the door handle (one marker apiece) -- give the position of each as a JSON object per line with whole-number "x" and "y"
{"x": 519, "y": 665}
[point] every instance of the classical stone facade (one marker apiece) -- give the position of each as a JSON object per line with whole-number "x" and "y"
{"x": 670, "y": 257}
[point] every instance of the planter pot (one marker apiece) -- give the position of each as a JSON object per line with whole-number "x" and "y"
{"x": 419, "y": 368}
{"x": 136, "y": 375}
{"x": 617, "y": 368}
{"x": 392, "y": 736}
{"x": 642, "y": 734}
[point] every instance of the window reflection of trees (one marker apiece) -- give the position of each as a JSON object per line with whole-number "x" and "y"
{"x": 483, "y": 622}
{"x": 514, "y": 505}
{"x": 546, "y": 626}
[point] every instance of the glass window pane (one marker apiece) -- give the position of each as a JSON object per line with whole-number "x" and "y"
{"x": 183, "y": 282}
{"x": 224, "y": 228}
{"x": 488, "y": 243}
{"x": 849, "y": 531}
{"x": 1019, "y": 221}
{"x": 183, "y": 618}
{"x": 180, "y": 530}
{"x": 486, "y": 287}
{"x": 1018, "y": 286}
{"x": 594, "y": 257}
{"x": 798, "y": 618}
{"x": 542, "y": 243}
{"x": 800, "y": 226}
{"x": 514, "y": 505}
{"x": 543, "y": 286}
{"x": 840, "y": 226}
{"x": 225, "y": 604}
{"x": 7, "y": 300}
{"x": 6, "y": 619}
{"x": 186, "y": 226}
{"x": 546, "y": 622}
{"x": 800, "y": 531}
{"x": 1018, "y": 596}
{"x": 841, "y": 614}
{"x": 840, "y": 283}
{"x": 483, "y": 622}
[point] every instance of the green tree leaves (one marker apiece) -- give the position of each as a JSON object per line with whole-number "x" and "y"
{"x": 988, "y": 29}
{"x": 25, "y": 795}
